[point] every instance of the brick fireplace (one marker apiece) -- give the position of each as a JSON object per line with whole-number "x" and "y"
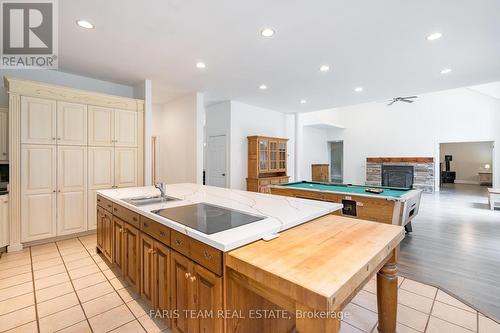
{"x": 395, "y": 170}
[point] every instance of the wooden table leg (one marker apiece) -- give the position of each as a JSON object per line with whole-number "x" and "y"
{"x": 387, "y": 296}
{"x": 315, "y": 325}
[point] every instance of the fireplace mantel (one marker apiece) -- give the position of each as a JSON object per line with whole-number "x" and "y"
{"x": 400, "y": 159}
{"x": 423, "y": 177}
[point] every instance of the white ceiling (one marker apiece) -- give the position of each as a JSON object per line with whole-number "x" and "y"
{"x": 380, "y": 45}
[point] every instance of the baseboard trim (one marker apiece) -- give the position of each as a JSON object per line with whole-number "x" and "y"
{"x": 469, "y": 182}
{"x": 14, "y": 247}
{"x": 59, "y": 238}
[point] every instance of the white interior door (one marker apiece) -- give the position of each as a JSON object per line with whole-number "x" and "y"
{"x": 71, "y": 124}
{"x": 216, "y": 158}
{"x": 125, "y": 167}
{"x": 125, "y": 128}
{"x": 38, "y": 192}
{"x": 101, "y": 126}
{"x": 101, "y": 167}
{"x": 38, "y": 120}
{"x": 4, "y": 126}
{"x": 72, "y": 189}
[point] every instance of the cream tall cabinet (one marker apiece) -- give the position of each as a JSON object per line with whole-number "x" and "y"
{"x": 113, "y": 160}
{"x": 66, "y": 144}
{"x": 4, "y": 143}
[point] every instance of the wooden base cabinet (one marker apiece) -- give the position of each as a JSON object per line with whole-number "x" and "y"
{"x": 180, "y": 286}
{"x": 155, "y": 274}
{"x": 118, "y": 257}
{"x": 131, "y": 256}
{"x": 105, "y": 233}
{"x": 195, "y": 291}
{"x": 179, "y": 279}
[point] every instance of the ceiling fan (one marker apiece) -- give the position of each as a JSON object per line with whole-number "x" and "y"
{"x": 409, "y": 99}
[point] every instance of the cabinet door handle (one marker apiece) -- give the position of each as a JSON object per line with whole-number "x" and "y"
{"x": 134, "y": 219}
{"x": 187, "y": 275}
{"x": 178, "y": 241}
{"x": 150, "y": 251}
{"x": 145, "y": 224}
{"x": 193, "y": 278}
{"x": 162, "y": 233}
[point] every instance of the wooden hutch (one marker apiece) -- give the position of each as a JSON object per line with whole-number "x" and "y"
{"x": 267, "y": 158}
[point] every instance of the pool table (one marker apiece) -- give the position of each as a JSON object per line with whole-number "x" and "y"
{"x": 392, "y": 206}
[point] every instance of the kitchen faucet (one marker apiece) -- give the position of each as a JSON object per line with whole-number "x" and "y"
{"x": 162, "y": 188}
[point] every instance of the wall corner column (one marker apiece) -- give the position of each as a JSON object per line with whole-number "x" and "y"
{"x": 299, "y": 129}
{"x": 14, "y": 173}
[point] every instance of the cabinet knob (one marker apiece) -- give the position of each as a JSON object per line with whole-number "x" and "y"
{"x": 145, "y": 224}
{"x": 178, "y": 241}
{"x": 162, "y": 233}
{"x": 207, "y": 255}
{"x": 134, "y": 218}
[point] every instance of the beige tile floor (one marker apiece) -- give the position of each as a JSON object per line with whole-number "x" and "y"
{"x": 67, "y": 287}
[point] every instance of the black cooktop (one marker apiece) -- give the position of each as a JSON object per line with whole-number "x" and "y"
{"x": 207, "y": 218}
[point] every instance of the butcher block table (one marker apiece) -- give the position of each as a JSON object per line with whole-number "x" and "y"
{"x": 301, "y": 281}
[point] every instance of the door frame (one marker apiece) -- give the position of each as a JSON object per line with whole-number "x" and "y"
{"x": 437, "y": 161}
{"x": 330, "y": 157}
{"x": 226, "y": 146}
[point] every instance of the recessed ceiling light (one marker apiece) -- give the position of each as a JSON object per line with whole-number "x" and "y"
{"x": 85, "y": 24}
{"x": 303, "y": 101}
{"x": 262, "y": 87}
{"x": 358, "y": 89}
{"x": 446, "y": 71}
{"x": 324, "y": 68}
{"x": 201, "y": 65}
{"x": 434, "y": 36}
{"x": 267, "y": 32}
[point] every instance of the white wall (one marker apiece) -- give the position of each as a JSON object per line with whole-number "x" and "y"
{"x": 468, "y": 159}
{"x": 249, "y": 120}
{"x": 64, "y": 79}
{"x": 179, "y": 126}
{"x": 314, "y": 150}
{"x": 237, "y": 121}
{"x": 406, "y": 130}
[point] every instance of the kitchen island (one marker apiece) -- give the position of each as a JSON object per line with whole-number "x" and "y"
{"x": 307, "y": 269}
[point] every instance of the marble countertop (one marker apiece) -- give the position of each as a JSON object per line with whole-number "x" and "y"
{"x": 281, "y": 212}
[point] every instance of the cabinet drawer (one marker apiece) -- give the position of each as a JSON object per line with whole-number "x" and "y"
{"x": 155, "y": 230}
{"x": 263, "y": 182}
{"x": 104, "y": 203}
{"x": 275, "y": 181}
{"x": 179, "y": 242}
{"x": 283, "y": 180}
{"x": 126, "y": 215}
{"x": 203, "y": 254}
{"x": 206, "y": 256}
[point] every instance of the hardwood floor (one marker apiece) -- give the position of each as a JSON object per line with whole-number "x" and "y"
{"x": 455, "y": 245}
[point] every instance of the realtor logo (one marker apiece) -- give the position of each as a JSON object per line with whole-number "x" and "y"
{"x": 29, "y": 34}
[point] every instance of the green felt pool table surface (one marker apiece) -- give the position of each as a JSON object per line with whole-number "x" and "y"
{"x": 352, "y": 189}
